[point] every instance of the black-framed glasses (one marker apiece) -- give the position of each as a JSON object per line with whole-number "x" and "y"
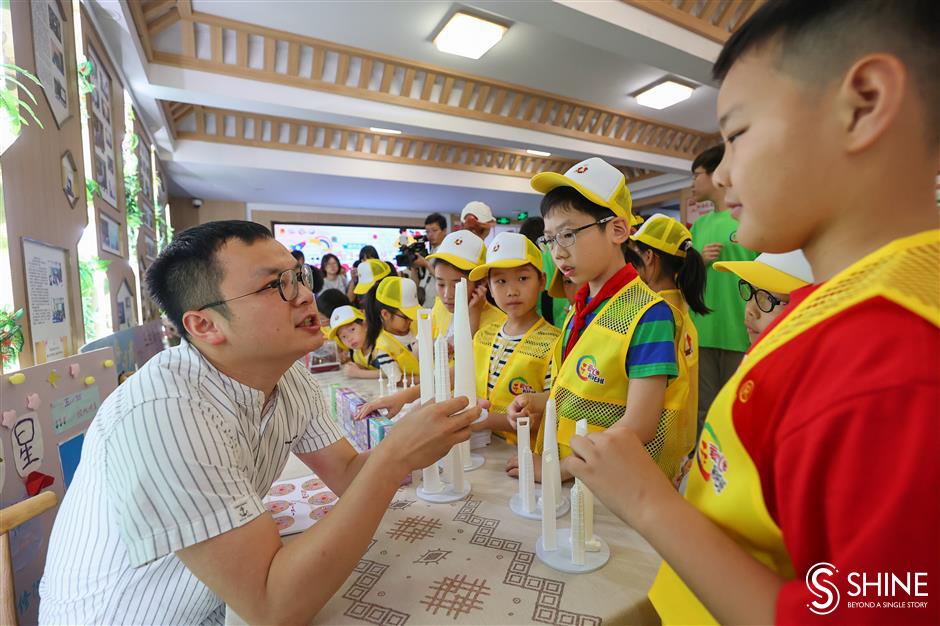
{"x": 566, "y": 237}
{"x": 766, "y": 301}
{"x": 287, "y": 284}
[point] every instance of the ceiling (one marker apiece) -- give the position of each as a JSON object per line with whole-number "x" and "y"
{"x": 544, "y": 49}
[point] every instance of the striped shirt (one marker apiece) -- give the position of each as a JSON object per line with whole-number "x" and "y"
{"x": 384, "y": 361}
{"x": 503, "y": 347}
{"x": 178, "y": 454}
{"x": 652, "y": 350}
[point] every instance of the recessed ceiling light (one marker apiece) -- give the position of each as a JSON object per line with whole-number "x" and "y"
{"x": 468, "y": 36}
{"x": 384, "y": 131}
{"x": 539, "y": 153}
{"x": 664, "y": 94}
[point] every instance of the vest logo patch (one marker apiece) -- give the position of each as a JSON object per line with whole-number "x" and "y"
{"x": 519, "y": 385}
{"x": 711, "y": 461}
{"x": 744, "y": 393}
{"x": 587, "y": 370}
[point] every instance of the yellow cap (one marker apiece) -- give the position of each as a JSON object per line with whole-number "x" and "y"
{"x": 462, "y": 249}
{"x": 556, "y": 287}
{"x": 779, "y": 273}
{"x": 595, "y": 179}
{"x": 341, "y": 317}
{"x": 509, "y": 250}
{"x": 636, "y": 220}
{"x": 399, "y": 293}
{"x": 664, "y": 234}
{"x": 370, "y": 271}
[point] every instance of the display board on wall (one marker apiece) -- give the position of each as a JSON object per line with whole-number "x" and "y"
{"x": 52, "y": 56}
{"x": 315, "y": 240}
{"x": 45, "y": 417}
{"x": 46, "y": 270}
{"x": 102, "y": 130}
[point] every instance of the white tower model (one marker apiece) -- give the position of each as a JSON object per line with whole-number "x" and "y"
{"x": 579, "y": 550}
{"x": 455, "y": 487}
{"x": 465, "y": 382}
{"x": 430, "y": 476}
{"x": 549, "y": 497}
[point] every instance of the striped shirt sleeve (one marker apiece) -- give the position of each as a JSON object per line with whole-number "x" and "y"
{"x": 652, "y": 349}
{"x": 175, "y": 477}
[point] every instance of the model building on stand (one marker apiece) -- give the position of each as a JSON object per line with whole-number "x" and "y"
{"x": 575, "y": 550}
{"x": 465, "y": 383}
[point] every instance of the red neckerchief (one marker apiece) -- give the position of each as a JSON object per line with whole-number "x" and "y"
{"x": 583, "y": 308}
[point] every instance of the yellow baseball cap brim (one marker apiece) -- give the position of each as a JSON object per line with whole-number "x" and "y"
{"x": 556, "y": 288}
{"x": 544, "y": 182}
{"x": 458, "y": 262}
{"x": 410, "y": 312}
{"x": 761, "y": 276}
{"x": 481, "y": 272}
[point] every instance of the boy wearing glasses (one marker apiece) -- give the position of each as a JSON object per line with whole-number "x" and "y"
{"x": 618, "y": 345}
{"x": 765, "y": 285}
{"x": 163, "y": 522}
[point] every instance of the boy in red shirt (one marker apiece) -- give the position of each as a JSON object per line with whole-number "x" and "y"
{"x": 814, "y": 496}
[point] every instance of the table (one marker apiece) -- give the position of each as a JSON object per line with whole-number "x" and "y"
{"x": 473, "y": 562}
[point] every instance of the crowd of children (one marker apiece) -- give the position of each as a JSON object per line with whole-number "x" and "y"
{"x": 627, "y": 355}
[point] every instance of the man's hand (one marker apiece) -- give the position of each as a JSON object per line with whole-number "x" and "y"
{"x": 426, "y": 434}
{"x": 421, "y": 262}
{"x": 392, "y": 403}
{"x": 618, "y": 469}
{"x": 711, "y": 251}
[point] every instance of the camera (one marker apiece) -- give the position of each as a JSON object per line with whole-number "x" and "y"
{"x": 410, "y": 247}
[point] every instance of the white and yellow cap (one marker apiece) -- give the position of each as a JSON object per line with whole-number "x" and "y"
{"x": 779, "y": 273}
{"x": 665, "y": 234}
{"x": 399, "y": 293}
{"x": 370, "y": 271}
{"x": 342, "y": 316}
{"x": 595, "y": 179}
{"x": 509, "y": 250}
{"x": 462, "y": 249}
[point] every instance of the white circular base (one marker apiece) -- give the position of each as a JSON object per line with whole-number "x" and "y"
{"x": 476, "y": 462}
{"x": 447, "y": 494}
{"x": 560, "y": 559}
{"x": 515, "y": 505}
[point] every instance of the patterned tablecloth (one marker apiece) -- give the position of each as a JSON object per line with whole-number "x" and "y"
{"x": 473, "y": 562}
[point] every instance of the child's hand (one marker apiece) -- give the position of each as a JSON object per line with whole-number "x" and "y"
{"x": 618, "y": 469}
{"x": 393, "y": 403}
{"x": 531, "y": 405}
{"x": 351, "y": 369}
{"x": 512, "y": 467}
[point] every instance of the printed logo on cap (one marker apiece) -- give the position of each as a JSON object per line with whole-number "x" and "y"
{"x": 495, "y": 248}
{"x": 458, "y": 241}
{"x": 581, "y": 169}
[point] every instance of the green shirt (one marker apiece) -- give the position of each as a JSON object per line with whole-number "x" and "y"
{"x": 724, "y": 326}
{"x": 559, "y": 305}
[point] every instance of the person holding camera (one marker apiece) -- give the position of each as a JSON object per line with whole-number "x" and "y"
{"x": 435, "y": 227}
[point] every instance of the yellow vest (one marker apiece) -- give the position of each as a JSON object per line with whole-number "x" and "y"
{"x": 592, "y": 382}
{"x": 406, "y": 360}
{"x": 441, "y": 317}
{"x": 907, "y": 272}
{"x": 524, "y": 372}
{"x": 362, "y": 360}
{"x": 687, "y": 359}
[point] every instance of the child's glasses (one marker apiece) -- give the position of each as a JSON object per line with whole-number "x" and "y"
{"x": 566, "y": 238}
{"x": 766, "y": 301}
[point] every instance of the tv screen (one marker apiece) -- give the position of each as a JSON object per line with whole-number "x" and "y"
{"x": 315, "y": 240}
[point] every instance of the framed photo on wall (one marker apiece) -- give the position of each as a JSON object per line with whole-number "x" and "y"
{"x": 70, "y": 185}
{"x": 53, "y": 62}
{"x": 109, "y": 233}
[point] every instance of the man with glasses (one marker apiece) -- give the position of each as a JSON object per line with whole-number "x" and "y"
{"x": 163, "y": 522}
